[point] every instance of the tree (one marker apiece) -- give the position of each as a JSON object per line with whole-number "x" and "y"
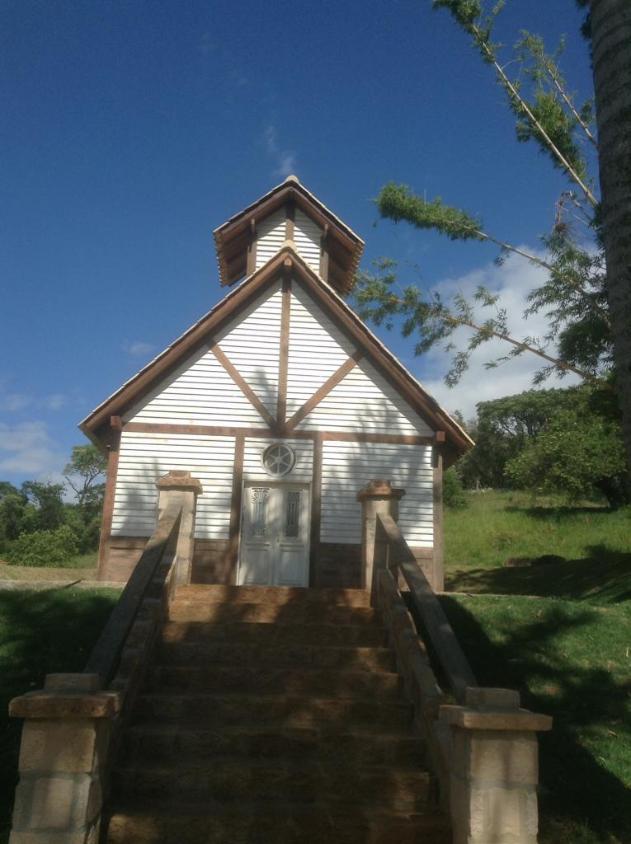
{"x": 503, "y": 428}
{"x": 609, "y": 25}
{"x": 573, "y": 296}
{"x": 83, "y": 473}
{"x": 577, "y": 453}
{"x": 554, "y": 440}
{"x": 47, "y": 499}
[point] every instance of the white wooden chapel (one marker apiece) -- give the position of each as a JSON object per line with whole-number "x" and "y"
{"x": 284, "y": 404}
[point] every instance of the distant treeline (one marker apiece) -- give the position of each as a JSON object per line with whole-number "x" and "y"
{"x": 39, "y": 527}
{"x": 562, "y": 440}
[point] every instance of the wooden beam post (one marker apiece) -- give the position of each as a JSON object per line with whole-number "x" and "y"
{"x": 108, "y": 502}
{"x": 235, "y": 507}
{"x": 316, "y": 509}
{"x": 251, "y": 258}
{"x": 290, "y": 216}
{"x": 438, "y": 545}
{"x": 283, "y": 359}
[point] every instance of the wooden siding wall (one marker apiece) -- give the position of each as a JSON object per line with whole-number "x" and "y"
{"x": 308, "y": 238}
{"x": 316, "y": 349}
{"x": 362, "y": 401}
{"x": 270, "y": 236}
{"x": 201, "y": 392}
{"x": 143, "y": 458}
{"x": 197, "y": 394}
{"x": 252, "y": 346}
{"x": 347, "y": 467}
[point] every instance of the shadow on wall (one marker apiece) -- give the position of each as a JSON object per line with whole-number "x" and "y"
{"x": 575, "y": 788}
{"x": 139, "y": 506}
{"x": 351, "y": 465}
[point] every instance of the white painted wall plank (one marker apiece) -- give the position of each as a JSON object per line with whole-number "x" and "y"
{"x": 363, "y": 401}
{"x": 316, "y": 350}
{"x": 307, "y": 237}
{"x": 270, "y": 236}
{"x": 144, "y": 458}
{"x": 200, "y": 392}
{"x": 347, "y": 467}
{"x": 252, "y": 345}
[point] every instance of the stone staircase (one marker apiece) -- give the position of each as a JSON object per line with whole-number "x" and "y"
{"x": 272, "y": 715}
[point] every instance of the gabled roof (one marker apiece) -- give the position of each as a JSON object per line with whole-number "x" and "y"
{"x": 97, "y": 424}
{"x": 344, "y": 247}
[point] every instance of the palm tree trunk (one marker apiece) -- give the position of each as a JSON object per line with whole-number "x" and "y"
{"x": 611, "y": 53}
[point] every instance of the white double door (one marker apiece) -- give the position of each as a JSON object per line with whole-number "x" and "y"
{"x": 274, "y": 547}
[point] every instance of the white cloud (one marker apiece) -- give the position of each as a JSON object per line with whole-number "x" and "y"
{"x": 27, "y": 449}
{"x": 138, "y": 348}
{"x": 55, "y": 401}
{"x": 285, "y": 160}
{"x": 13, "y": 401}
{"x": 513, "y": 280}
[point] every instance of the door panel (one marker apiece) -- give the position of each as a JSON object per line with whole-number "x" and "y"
{"x": 275, "y": 535}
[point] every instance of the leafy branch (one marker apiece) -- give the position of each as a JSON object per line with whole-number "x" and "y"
{"x": 399, "y": 202}
{"x": 544, "y": 119}
{"x": 433, "y": 320}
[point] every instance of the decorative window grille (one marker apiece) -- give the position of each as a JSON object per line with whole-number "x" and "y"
{"x": 258, "y": 505}
{"x": 292, "y": 515}
{"x": 279, "y": 459}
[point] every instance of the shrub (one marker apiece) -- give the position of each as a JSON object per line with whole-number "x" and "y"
{"x": 43, "y": 548}
{"x": 453, "y": 491}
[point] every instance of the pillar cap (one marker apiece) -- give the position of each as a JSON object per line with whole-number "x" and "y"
{"x": 67, "y": 705}
{"x": 519, "y": 720}
{"x": 380, "y": 489}
{"x": 181, "y": 481}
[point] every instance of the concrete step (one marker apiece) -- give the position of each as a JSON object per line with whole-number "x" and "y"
{"x": 252, "y": 654}
{"x": 303, "y": 612}
{"x": 278, "y": 595}
{"x": 277, "y": 823}
{"x": 233, "y": 780}
{"x": 282, "y": 711}
{"x": 167, "y": 744}
{"x": 341, "y": 635}
{"x": 268, "y": 680}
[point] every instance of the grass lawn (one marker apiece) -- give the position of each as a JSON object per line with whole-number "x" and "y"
{"x": 498, "y": 525}
{"x": 569, "y": 653}
{"x": 40, "y": 633}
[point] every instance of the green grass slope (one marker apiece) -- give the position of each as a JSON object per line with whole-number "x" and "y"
{"x": 567, "y": 651}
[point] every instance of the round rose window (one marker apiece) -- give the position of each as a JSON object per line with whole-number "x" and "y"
{"x": 279, "y": 459}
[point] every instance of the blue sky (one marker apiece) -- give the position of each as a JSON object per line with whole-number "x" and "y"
{"x": 131, "y": 129}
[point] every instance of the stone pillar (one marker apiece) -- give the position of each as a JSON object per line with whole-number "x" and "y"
{"x": 494, "y": 769}
{"x": 63, "y": 755}
{"x": 179, "y": 489}
{"x": 377, "y": 497}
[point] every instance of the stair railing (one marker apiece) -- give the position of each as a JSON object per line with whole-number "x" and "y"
{"x": 72, "y": 727}
{"x": 483, "y": 748}
{"x": 394, "y": 557}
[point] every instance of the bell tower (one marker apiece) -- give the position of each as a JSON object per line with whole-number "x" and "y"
{"x": 288, "y": 214}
